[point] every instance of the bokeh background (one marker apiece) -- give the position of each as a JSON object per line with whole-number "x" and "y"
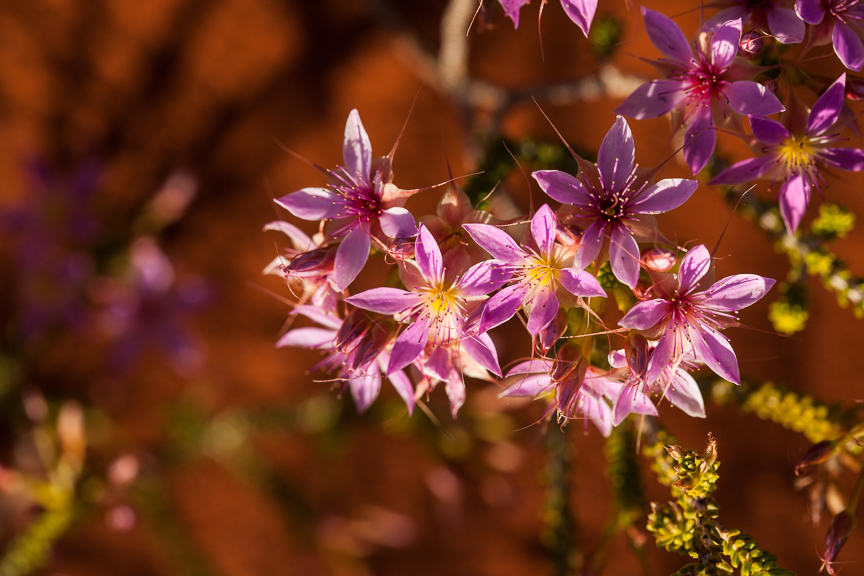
{"x": 139, "y": 153}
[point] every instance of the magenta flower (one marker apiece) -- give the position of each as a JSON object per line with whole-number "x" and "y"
{"x": 307, "y": 262}
{"x": 360, "y": 199}
{"x": 537, "y": 273}
{"x": 581, "y": 12}
{"x": 699, "y": 84}
{"x": 840, "y": 14}
{"x": 688, "y": 319}
{"x": 357, "y": 351}
{"x": 796, "y": 159}
{"x": 616, "y": 197}
{"x": 435, "y": 309}
{"x": 783, "y": 23}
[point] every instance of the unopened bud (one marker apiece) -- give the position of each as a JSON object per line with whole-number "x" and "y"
{"x": 554, "y": 331}
{"x": 817, "y": 454}
{"x": 353, "y": 328}
{"x": 402, "y": 248}
{"x": 838, "y": 534}
{"x": 643, "y": 291}
{"x": 369, "y": 347}
{"x": 636, "y": 349}
{"x": 568, "y": 235}
{"x": 318, "y": 262}
{"x": 751, "y": 44}
{"x": 677, "y": 452}
{"x": 568, "y": 357}
{"x": 658, "y": 260}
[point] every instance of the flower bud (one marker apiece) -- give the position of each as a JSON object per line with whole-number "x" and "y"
{"x": 643, "y": 291}
{"x": 554, "y": 331}
{"x": 751, "y": 44}
{"x": 636, "y": 351}
{"x": 658, "y": 259}
{"x": 818, "y": 453}
{"x": 353, "y": 328}
{"x": 568, "y": 235}
{"x": 401, "y": 248}
{"x": 312, "y": 264}
{"x": 369, "y": 347}
{"x": 566, "y": 360}
{"x": 838, "y": 534}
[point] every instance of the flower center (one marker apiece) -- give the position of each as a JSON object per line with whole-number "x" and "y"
{"x": 796, "y": 152}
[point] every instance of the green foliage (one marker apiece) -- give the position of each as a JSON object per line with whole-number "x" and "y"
{"x": 625, "y": 475}
{"x": 605, "y": 35}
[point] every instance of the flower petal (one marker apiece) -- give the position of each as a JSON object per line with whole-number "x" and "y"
{"x": 700, "y": 139}
{"x": 402, "y": 384}
{"x": 581, "y": 12}
{"x": 299, "y": 239}
{"x": 724, "y": 44}
{"x": 311, "y": 203}
{"x": 455, "y": 391}
{"x": 663, "y": 196}
{"x": 563, "y": 187}
{"x": 483, "y": 278}
{"x": 631, "y": 401}
{"x": 501, "y": 307}
{"x": 646, "y": 314}
{"x": 827, "y": 108}
{"x": 616, "y": 156}
{"x": 794, "y": 198}
{"x": 428, "y": 257}
{"x": 685, "y": 395}
{"x": 511, "y": 9}
{"x": 398, "y": 223}
{"x": 769, "y": 131}
{"x": 580, "y": 283}
{"x": 653, "y": 99}
{"x": 481, "y": 349}
{"x": 847, "y": 46}
{"x": 736, "y": 292}
{"x": 385, "y": 300}
{"x": 785, "y": 25}
{"x": 408, "y": 345}
{"x": 496, "y": 242}
{"x": 365, "y": 389}
{"x": 592, "y": 242}
{"x": 624, "y": 255}
{"x": 350, "y": 258}
{"x": 357, "y": 150}
{"x": 544, "y": 307}
{"x": 663, "y": 355}
{"x": 667, "y": 37}
{"x": 543, "y": 226}
{"x": 737, "y": 12}
{"x": 746, "y": 170}
{"x": 851, "y": 159}
{"x": 694, "y": 266}
{"x": 714, "y": 350}
{"x": 746, "y": 97}
{"x": 810, "y": 11}
{"x": 522, "y": 385}
{"x": 307, "y": 338}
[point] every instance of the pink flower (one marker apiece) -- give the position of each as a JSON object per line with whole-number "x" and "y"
{"x": 581, "y": 12}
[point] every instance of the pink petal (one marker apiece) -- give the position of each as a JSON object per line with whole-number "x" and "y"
{"x": 616, "y": 156}
{"x": 700, "y": 138}
{"x": 385, "y": 300}
{"x": 403, "y": 387}
{"x": 746, "y": 97}
{"x": 646, "y": 314}
{"x": 724, "y": 44}
{"x": 580, "y": 283}
{"x": 592, "y": 242}
{"x": 311, "y": 203}
{"x": 511, "y": 9}
{"x": 299, "y": 239}
{"x": 631, "y": 401}
{"x": 350, "y": 258}
{"x": 483, "y": 278}
{"x": 663, "y": 355}
{"x": 694, "y": 266}
{"x": 563, "y": 187}
{"x": 502, "y": 306}
{"x": 496, "y": 242}
{"x": 357, "y": 150}
{"x": 746, "y": 170}
{"x": 736, "y": 12}
{"x": 524, "y": 385}
{"x": 365, "y": 389}
{"x": 827, "y": 108}
{"x": 847, "y": 46}
{"x": 714, "y": 350}
{"x": 455, "y": 391}
{"x": 666, "y": 195}
{"x": 785, "y": 25}
{"x": 428, "y": 257}
{"x": 408, "y": 345}
{"x": 768, "y": 130}
{"x": 653, "y": 99}
{"x": 398, "y": 223}
{"x": 543, "y": 310}
{"x": 667, "y": 37}
{"x": 624, "y": 255}
{"x": 307, "y": 338}
{"x": 851, "y": 159}
{"x": 810, "y": 11}
{"x": 794, "y": 198}
{"x": 543, "y": 226}
{"x": 481, "y": 349}
{"x": 685, "y": 395}
{"x": 581, "y": 12}
{"x": 736, "y": 292}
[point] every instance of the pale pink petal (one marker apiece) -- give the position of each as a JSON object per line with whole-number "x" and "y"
{"x": 299, "y": 239}
{"x": 543, "y": 310}
{"x": 524, "y": 385}
{"x": 624, "y": 255}
{"x": 428, "y": 257}
{"x": 737, "y": 12}
{"x": 481, "y": 349}
{"x": 365, "y": 389}
{"x": 563, "y": 187}
{"x": 543, "y": 226}
{"x": 398, "y": 223}
{"x": 350, "y": 258}
{"x": 663, "y": 196}
{"x": 714, "y": 350}
{"x": 663, "y": 355}
{"x": 357, "y": 150}
{"x": 483, "y": 278}
{"x": 667, "y": 37}
{"x": 581, "y": 12}
{"x": 785, "y": 25}
{"x": 455, "y": 391}
{"x": 631, "y": 401}
{"x": 646, "y": 314}
{"x": 496, "y": 242}
{"x": 694, "y": 266}
{"x": 592, "y": 242}
{"x": 616, "y": 156}
{"x": 312, "y": 203}
{"x": 408, "y": 345}
{"x": 399, "y": 380}
{"x": 580, "y": 283}
{"x": 307, "y": 338}
{"x": 851, "y": 159}
{"x": 736, "y": 292}
{"x": 501, "y": 307}
{"x": 385, "y": 300}
{"x": 653, "y": 99}
{"x": 318, "y": 315}
{"x": 685, "y": 395}
{"x": 794, "y": 198}
{"x": 724, "y": 44}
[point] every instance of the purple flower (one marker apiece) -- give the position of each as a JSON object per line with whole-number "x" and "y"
{"x": 783, "y": 23}
{"x": 537, "y": 273}
{"x": 700, "y": 84}
{"x": 361, "y": 200}
{"x": 435, "y": 309}
{"x": 796, "y": 159}
{"x": 307, "y": 262}
{"x": 616, "y": 197}
{"x": 688, "y": 320}
{"x": 581, "y": 12}
{"x": 836, "y": 27}
{"x": 357, "y": 351}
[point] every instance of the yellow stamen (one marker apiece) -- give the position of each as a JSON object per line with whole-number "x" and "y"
{"x": 796, "y": 152}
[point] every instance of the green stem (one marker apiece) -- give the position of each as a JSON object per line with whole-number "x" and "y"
{"x": 561, "y": 527}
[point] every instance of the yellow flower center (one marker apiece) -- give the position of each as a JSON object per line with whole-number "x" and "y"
{"x": 796, "y": 152}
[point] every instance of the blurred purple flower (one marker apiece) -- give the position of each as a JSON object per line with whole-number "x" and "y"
{"x": 784, "y": 23}
{"x": 150, "y": 308}
{"x": 796, "y": 159}
{"x": 538, "y": 272}
{"x": 581, "y": 12}
{"x": 361, "y": 200}
{"x": 702, "y": 84}
{"x": 688, "y": 319}
{"x": 616, "y": 196}
{"x": 830, "y": 21}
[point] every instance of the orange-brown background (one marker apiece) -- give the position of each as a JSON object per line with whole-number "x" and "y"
{"x": 150, "y": 87}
